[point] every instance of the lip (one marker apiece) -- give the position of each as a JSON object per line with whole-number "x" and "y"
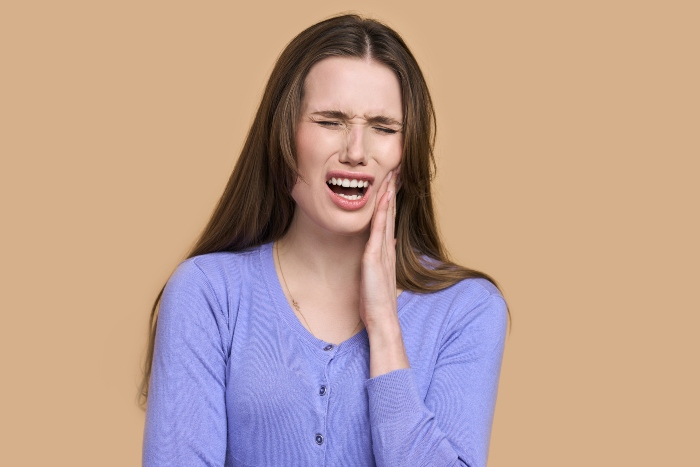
{"x": 350, "y": 205}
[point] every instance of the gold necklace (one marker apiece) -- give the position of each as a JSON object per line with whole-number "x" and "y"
{"x": 295, "y": 303}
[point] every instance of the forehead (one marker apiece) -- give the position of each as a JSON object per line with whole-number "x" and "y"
{"x": 356, "y": 86}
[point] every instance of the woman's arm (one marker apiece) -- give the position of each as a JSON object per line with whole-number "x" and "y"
{"x": 378, "y": 287}
{"x": 452, "y": 425}
{"x": 186, "y": 412}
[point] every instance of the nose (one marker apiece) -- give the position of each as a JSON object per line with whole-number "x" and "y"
{"x": 355, "y": 152}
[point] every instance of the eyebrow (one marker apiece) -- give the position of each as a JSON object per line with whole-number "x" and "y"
{"x": 374, "y": 119}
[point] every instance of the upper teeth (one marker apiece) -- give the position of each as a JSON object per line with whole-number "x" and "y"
{"x": 347, "y": 183}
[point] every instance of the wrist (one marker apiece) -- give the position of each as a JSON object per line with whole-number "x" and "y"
{"x": 385, "y": 332}
{"x": 386, "y": 349}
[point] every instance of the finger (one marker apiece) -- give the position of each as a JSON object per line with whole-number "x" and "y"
{"x": 382, "y": 189}
{"x": 377, "y": 234}
{"x": 380, "y": 192}
{"x": 391, "y": 215}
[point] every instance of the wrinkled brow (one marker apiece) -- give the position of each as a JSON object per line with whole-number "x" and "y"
{"x": 374, "y": 119}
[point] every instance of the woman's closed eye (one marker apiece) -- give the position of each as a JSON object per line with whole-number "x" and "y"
{"x": 385, "y": 130}
{"x": 330, "y": 123}
{"x": 336, "y": 124}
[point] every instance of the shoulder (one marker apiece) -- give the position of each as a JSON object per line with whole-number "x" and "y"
{"x": 479, "y": 312}
{"x": 466, "y": 295}
{"x": 214, "y": 279}
{"x": 475, "y": 306}
{"x": 478, "y": 297}
{"x": 218, "y": 270}
{"x": 476, "y": 288}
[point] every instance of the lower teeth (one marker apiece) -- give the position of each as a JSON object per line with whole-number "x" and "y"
{"x": 350, "y": 197}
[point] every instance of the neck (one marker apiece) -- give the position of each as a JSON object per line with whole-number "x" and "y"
{"x": 331, "y": 258}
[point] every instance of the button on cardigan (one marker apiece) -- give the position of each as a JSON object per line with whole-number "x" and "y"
{"x": 237, "y": 380}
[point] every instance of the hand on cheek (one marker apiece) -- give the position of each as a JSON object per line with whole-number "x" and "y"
{"x": 378, "y": 286}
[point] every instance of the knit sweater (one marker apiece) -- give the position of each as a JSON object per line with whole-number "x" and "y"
{"x": 237, "y": 380}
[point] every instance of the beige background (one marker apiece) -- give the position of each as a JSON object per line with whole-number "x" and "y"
{"x": 568, "y": 130}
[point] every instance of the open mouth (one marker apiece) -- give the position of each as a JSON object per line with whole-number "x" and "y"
{"x": 348, "y": 188}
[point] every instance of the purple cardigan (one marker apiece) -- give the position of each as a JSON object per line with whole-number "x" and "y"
{"x": 238, "y": 381}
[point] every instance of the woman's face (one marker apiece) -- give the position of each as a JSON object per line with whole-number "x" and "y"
{"x": 349, "y": 133}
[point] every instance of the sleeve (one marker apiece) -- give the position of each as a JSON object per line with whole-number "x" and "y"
{"x": 186, "y": 410}
{"x": 452, "y": 425}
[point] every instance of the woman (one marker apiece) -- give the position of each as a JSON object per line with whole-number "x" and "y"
{"x": 299, "y": 332}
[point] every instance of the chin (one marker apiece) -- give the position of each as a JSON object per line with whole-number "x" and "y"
{"x": 349, "y": 226}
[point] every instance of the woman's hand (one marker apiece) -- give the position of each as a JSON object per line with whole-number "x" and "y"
{"x": 378, "y": 286}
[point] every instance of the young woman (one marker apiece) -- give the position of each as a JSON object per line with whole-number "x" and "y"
{"x": 317, "y": 320}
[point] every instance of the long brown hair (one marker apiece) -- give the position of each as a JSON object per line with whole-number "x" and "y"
{"x": 256, "y": 206}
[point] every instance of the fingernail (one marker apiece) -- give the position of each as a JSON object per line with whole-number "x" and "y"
{"x": 391, "y": 193}
{"x": 391, "y": 173}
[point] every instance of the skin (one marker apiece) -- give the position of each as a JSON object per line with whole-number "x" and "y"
{"x": 350, "y": 121}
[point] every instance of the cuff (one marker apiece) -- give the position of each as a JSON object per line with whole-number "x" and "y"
{"x": 393, "y": 397}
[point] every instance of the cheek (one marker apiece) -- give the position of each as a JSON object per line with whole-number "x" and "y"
{"x": 399, "y": 151}
{"x": 312, "y": 151}
{"x": 303, "y": 148}
{"x": 391, "y": 150}
{"x": 303, "y": 139}
{"x": 314, "y": 145}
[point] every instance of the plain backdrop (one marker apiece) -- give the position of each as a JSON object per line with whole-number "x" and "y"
{"x": 568, "y": 131}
